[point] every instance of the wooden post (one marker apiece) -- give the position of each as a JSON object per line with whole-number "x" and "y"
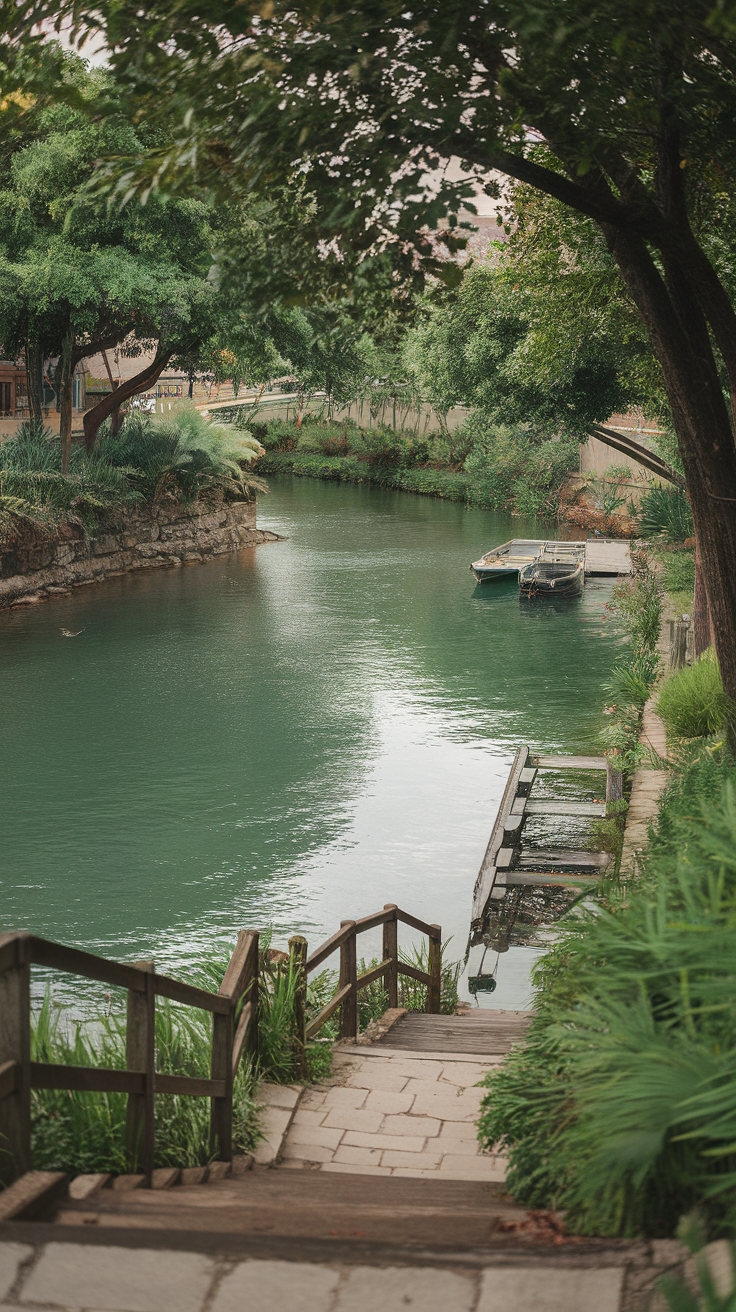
{"x": 434, "y": 992}
{"x": 614, "y": 784}
{"x": 678, "y": 648}
{"x": 15, "y": 1046}
{"x": 298, "y": 955}
{"x": 140, "y": 1055}
{"x": 391, "y": 949}
{"x": 349, "y": 975}
{"x": 221, "y": 1068}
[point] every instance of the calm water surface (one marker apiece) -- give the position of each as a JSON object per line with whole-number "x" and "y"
{"x": 290, "y": 736}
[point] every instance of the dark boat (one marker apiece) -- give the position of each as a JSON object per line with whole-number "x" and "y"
{"x": 555, "y": 573}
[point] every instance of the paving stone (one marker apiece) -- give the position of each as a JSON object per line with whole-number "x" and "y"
{"x": 307, "y": 1152}
{"x": 315, "y": 1134}
{"x": 426, "y": 1160}
{"x": 458, "y": 1147}
{"x": 383, "y": 1100}
{"x": 344, "y": 1097}
{"x": 401, "y": 1142}
{"x": 398, "y": 1288}
{"x": 300, "y": 1286}
{"x": 457, "y": 1132}
{"x": 285, "y": 1096}
{"x": 463, "y": 1073}
{"x": 447, "y": 1109}
{"x": 11, "y": 1256}
{"x": 379, "y": 1076}
{"x": 305, "y": 1116}
{"x": 345, "y": 1168}
{"x": 354, "y": 1118}
{"x": 550, "y": 1289}
{"x": 456, "y": 1167}
{"x": 419, "y": 1068}
{"x": 358, "y": 1156}
{"x": 414, "y": 1173}
{"x": 74, "y": 1275}
{"x": 312, "y": 1099}
{"x": 411, "y": 1125}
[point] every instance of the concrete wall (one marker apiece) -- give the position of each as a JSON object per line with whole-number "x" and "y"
{"x": 35, "y": 567}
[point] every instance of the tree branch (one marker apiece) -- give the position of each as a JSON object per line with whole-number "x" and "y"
{"x": 628, "y": 447}
{"x": 138, "y": 383}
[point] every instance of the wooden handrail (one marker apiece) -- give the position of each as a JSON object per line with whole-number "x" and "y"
{"x": 234, "y": 1009}
{"x": 140, "y": 1081}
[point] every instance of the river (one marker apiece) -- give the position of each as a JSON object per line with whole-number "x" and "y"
{"x": 290, "y": 736}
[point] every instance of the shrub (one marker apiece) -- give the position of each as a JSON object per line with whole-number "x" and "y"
{"x": 665, "y": 510}
{"x": 621, "y": 1105}
{"x": 692, "y": 702}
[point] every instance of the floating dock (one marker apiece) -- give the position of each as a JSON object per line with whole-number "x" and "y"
{"x": 506, "y": 864}
{"x": 603, "y": 556}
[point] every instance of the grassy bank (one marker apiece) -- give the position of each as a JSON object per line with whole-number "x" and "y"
{"x": 180, "y": 460}
{"x": 519, "y": 470}
{"x": 620, "y": 1107}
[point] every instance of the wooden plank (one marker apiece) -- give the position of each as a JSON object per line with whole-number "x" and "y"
{"x": 487, "y": 873}
{"x": 504, "y": 857}
{"x": 87, "y": 1079}
{"x": 140, "y": 1058}
{"x": 315, "y": 1025}
{"x": 32, "y": 1194}
{"x": 326, "y": 950}
{"x": 607, "y": 556}
{"x": 372, "y": 922}
{"x": 75, "y": 962}
{"x": 562, "y": 857}
{"x": 15, "y": 1049}
{"x": 245, "y": 1021}
{"x": 542, "y": 878}
{"x": 545, "y": 762}
{"x": 165, "y": 987}
{"x": 349, "y": 975}
{"x": 191, "y": 1086}
{"x": 9, "y": 1075}
{"x": 421, "y": 975}
{"x": 513, "y": 825}
{"x": 241, "y": 967}
{"x": 548, "y": 807}
{"x": 375, "y": 972}
{"x": 390, "y": 952}
{"x": 86, "y": 1186}
{"x": 421, "y": 925}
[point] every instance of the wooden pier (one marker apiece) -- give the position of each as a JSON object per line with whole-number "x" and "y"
{"x": 602, "y": 556}
{"x": 505, "y": 864}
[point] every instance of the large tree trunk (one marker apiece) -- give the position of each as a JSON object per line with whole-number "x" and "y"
{"x": 65, "y": 376}
{"x": 99, "y": 413}
{"x": 702, "y": 422}
{"x": 34, "y": 375}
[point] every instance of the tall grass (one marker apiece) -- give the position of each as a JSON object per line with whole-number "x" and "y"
{"x": 621, "y": 1105}
{"x": 665, "y": 511}
{"x": 692, "y": 702}
{"x": 76, "y": 1132}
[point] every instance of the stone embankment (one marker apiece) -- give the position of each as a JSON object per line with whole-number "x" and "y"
{"x": 37, "y": 567}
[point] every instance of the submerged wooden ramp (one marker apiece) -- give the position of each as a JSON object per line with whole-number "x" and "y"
{"x": 505, "y": 864}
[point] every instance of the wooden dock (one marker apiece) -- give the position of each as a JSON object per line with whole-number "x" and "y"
{"x": 506, "y": 864}
{"x": 602, "y": 556}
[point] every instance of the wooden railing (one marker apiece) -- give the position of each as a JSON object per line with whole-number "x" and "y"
{"x": 234, "y": 1027}
{"x": 389, "y": 968}
{"x": 140, "y": 1080}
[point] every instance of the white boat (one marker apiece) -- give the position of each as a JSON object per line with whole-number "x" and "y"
{"x": 511, "y": 557}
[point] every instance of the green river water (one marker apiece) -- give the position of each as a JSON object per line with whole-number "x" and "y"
{"x": 290, "y": 736}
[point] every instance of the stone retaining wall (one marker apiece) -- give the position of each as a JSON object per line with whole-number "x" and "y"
{"x": 35, "y": 567}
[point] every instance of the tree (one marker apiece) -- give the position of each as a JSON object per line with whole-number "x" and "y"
{"x": 77, "y": 278}
{"x": 542, "y": 331}
{"x": 623, "y": 111}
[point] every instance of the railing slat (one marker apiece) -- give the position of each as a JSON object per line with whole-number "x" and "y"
{"x": 99, "y": 1079}
{"x": 421, "y": 925}
{"x": 375, "y": 972}
{"x": 76, "y": 962}
{"x": 324, "y": 1015}
{"x": 372, "y": 922}
{"x": 9, "y": 1075}
{"x": 241, "y": 1034}
{"x": 328, "y": 947}
{"x": 165, "y": 987}
{"x": 413, "y": 973}
{"x": 241, "y": 967}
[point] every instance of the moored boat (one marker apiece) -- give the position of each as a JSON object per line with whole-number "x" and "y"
{"x": 558, "y": 573}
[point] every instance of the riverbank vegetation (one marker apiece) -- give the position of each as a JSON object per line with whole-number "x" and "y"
{"x": 520, "y": 470}
{"x": 179, "y": 459}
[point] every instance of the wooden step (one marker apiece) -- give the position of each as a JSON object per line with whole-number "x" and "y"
{"x": 547, "y": 806}
{"x": 311, "y": 1204}
{"x": 545, "y": 762}
{"x": 489, "y": 1033}
{"x": 533, "y": 860}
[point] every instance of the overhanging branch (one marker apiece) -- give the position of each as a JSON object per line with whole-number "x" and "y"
{"x": 628, "y": 447}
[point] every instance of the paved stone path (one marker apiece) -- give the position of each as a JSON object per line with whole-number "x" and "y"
{"x": 646, "y": 789}
{"x": 389, "y": 1112}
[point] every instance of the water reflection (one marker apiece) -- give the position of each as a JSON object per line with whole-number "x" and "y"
{"x": 289, "y": 736}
